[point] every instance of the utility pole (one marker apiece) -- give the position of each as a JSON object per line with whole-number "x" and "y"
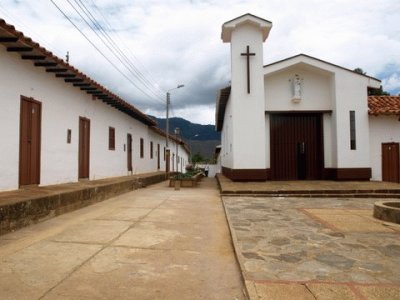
{"x": 177, "y": 133}
{"x": 167, "y": 119}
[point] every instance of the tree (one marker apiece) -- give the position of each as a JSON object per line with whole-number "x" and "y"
{"x": 197, "y": 158}
{"x": 371, "y": 91}
{"x": 360, "y": 71}
{"x": 377, "y": 92}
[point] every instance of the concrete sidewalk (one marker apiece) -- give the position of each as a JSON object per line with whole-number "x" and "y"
{"x": 152, "y": 243}
{"x": 33, "y": 204}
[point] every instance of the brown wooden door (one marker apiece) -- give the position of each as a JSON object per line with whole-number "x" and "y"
{"x": 390, "y": 162}
{"x": 129, "y": 151}
{"x": 84, "y": 147}
{"x": 167, "y": 160}
{"x": 30, "y": 139}
{"x": 296, "y": 146}
{"x": 158, "y": 156}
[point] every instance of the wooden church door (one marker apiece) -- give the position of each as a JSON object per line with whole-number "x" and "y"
{"x": 296, "y": 146}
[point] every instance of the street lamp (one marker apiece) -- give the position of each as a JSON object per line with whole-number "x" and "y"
{"x": 177, "y": 132}
{"x": 167, "y": 119}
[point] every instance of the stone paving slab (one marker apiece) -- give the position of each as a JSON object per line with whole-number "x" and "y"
{"x": 291, "y": 248}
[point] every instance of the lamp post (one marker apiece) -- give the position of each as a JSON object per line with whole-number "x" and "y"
{"x": 167, "y": 119}
{"x": 177, "y": 132}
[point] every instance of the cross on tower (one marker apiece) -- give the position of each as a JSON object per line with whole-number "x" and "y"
{"x": 248, "y": 54}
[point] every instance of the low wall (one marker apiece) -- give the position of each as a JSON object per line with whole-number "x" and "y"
{"x": 36, "y": 209}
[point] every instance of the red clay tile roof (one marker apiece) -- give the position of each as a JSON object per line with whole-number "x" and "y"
{"x": 16, "y": 41}
{"x": 384, "y": 105}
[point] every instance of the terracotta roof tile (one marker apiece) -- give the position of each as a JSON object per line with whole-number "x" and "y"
{"x": 384, "y": 105}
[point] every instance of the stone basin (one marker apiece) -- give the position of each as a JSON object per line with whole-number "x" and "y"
{"x": 387, "y": 211}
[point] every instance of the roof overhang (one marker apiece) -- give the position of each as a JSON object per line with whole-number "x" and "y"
{"x": 228, "y": 27}
{"x": 15, "y": 41}
{"x": 222, "y": 101}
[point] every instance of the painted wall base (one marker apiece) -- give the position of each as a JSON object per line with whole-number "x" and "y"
{"x": 363, "y": 174}
{"x": 247, "y": 174}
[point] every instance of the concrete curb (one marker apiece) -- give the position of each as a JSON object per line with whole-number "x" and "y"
{"x": 249, "y": 291}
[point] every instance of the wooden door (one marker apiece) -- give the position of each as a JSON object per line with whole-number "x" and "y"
{"x": 84, "y": 147}
{"x": 30, "y": 140}
{"x": 296, "y": 146}
{"x": 158, "y": 156}
{"x": 390, "y": 162}
{"x": 129, "y": 151}
{"x": 167, "y": 160}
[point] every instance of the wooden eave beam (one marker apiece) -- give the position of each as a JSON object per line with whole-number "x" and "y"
{"x": 56, "y": 70}
{"x": 8, "y": 39}
{"x": 66, "y": 75}
{"x": 94, "y": 92}
{"x": 45, "y": 64}
{"x": 81, "y": 84}
{"x": 33, "y": 57}
{"x": 73, "y": 80}
{"x": 19, "y": 49}
{"x": 89, "y": 88}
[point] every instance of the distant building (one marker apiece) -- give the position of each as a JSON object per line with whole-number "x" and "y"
{"x": 58, "y": 125}
{"x": 301, "y": 117}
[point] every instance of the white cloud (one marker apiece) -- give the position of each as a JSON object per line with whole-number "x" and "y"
{"x": 392, "y": 83}
{"x": 178, "y": 41}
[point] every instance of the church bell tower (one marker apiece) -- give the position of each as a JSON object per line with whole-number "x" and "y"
{"x": 246, "y": 35}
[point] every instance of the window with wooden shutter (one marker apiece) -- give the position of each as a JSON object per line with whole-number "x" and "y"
{"x": 111, "y": 138}
{"x": 151, "y": 150}
{"x": 141, "y": 148}
{"x": 352, "y": 130}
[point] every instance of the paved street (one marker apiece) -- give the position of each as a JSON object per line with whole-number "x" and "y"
{"x": 314, "y": 248}
{"x": 152, "y": 243}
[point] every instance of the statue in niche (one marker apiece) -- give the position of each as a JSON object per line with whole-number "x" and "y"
{"x": 297, "y": 83}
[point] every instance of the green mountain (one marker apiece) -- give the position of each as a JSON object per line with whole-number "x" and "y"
{"x": 201, "y": 139}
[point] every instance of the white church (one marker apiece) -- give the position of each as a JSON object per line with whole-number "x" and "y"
{"x": 59, "y": 126}
{"x": 301, "y": 118}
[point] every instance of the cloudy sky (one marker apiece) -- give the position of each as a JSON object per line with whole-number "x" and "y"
{"x": 169, "y": 42}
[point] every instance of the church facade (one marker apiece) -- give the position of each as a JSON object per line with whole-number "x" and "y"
{"x": 301, "y": 118}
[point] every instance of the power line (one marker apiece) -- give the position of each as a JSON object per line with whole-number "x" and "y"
{"x": 97, "y": 49}
{"x": 104, "y": 18}
{"x": 120, "y": 54}
{"x": 102, "y": 40}
{"x": 23, "y": 25}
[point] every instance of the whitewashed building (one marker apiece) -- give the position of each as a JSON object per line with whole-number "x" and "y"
{"x": 58, "y": 125}
{"x": 301, "y": 117}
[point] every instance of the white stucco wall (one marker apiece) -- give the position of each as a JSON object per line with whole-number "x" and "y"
{"x": 316, "y": 89}
{"x": 351, "y": 94}
{"x": 226, "y": 155}
{"x": 62, "y": 105}
{"x": 383, "y": 129}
